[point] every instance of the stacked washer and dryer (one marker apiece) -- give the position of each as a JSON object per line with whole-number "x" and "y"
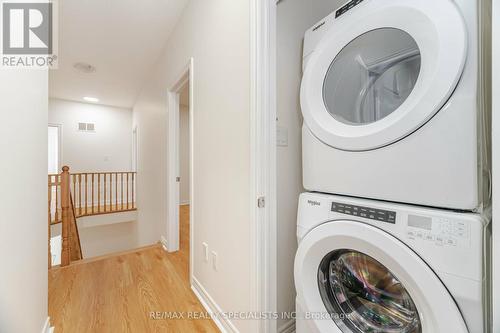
{"x": 394, "y": 235}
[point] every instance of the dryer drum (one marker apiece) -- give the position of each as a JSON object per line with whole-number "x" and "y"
{"x": 372, "y": 76}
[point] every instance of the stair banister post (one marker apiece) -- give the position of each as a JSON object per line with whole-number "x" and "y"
{"x": 66, "y": 216}
{"x": 49, "y": 195}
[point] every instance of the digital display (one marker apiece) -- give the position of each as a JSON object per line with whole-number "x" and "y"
{"x": 351, "y": 4}
{"x": 420, "y": 222}
{"x": 365, "y": 212}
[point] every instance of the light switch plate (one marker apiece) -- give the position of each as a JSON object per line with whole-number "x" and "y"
{"x": 282, "y": 136}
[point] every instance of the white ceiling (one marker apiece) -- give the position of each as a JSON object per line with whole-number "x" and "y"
{"x": 121, "y": 38}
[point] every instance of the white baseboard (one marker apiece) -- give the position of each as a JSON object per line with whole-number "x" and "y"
{"x": 209, "y": 304}
{"x": 163, "y": 242}
{"x": 46, "y": 327}
{"x": 288, "y": 327}
{"x": 185, "y": 203}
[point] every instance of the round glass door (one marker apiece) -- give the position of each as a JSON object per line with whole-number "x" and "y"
{"x": 361, "y": 295}
{"x": 382, "y": 72}
{"x": 372, "y": 76}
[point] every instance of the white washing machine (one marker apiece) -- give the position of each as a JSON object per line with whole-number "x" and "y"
{"x": 367, "y": 266}
{"x": 393, "y": 98}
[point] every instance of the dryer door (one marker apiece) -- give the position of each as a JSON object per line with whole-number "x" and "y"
{"x": 382, "y": 70}
{"x": 353, "y": 277}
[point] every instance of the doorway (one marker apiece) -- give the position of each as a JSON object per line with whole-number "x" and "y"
{"x": 54, "y": 167}
{"x": 180, "y": 219}
{"x": 135, "y": 149}
{"x": 54, "y": 149}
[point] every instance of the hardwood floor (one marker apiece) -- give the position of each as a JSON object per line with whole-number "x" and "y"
{"x": 119, "y": 293}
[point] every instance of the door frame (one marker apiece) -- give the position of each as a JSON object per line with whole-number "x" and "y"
{"x": 263, "y": 201}
{"x": 173, "y": 100}
{"x": 262, "y": 182}
{"x": 495, "y": 166}
{"x": 59, "y": 143}
{"x": 135, "y": 148}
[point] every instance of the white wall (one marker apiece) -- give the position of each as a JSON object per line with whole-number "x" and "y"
{"x": 294, "y": 18}
{"x": 23, "y": 200}
{"x": 184, "y": 154}
{"x": 109, "y": 148}
{"x": 101, "y": 240}
{"x": 217, "y": 34}
{"x": 102, "y": 234}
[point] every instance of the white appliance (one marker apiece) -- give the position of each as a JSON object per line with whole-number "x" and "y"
{"x": 368, "y": 266}
{"x": 392, "y": 105}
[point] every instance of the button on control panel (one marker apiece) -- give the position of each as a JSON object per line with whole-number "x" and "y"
{"x": 348, "y": 6}
{"x": 365, "y": 212}
{"x": 440, "y": 231}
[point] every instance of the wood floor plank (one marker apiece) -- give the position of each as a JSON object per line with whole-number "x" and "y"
{"x": 117, "y": 293}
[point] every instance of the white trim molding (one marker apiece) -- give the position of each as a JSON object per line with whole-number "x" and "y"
{"x": 288, "y": 327}
{"x": 163, "y": 242}
{"x": 59, "y": 143}
{"x": 224, "y": 324}
{"x": 496, "y": 165}
{"x": 263, "y": 161}
{"x": 186, "y": 76}
{"x": 46, "y": 327}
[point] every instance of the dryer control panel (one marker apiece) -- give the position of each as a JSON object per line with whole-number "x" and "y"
{"x": 365, "y": 212}
{"x": 348, "y": 6}
{"x": 440, "y": 231}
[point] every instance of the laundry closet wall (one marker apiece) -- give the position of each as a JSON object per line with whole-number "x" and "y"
{"x": 294, "y": 18}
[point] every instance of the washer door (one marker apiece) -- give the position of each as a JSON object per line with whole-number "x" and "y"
{"x": 353, "y": 277}
{"x": 383, "y": 71}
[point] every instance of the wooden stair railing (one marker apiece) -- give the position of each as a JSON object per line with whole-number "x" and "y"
{"x": 71, "y": 196}
{"x": 75, "y": 252}
{"x": 66, "y": 216}
{"x": 95, "y": 193}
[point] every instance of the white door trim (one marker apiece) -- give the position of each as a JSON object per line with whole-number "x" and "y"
{"x": 135, "y": 148}
{"x": 186, "y": 76}
{"x": 263, "y": 161}
{"x": 59, "y": 143}
{"x": 496, "y": 165}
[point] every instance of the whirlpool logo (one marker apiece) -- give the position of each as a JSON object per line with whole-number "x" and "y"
{"x": 314, "y": 203}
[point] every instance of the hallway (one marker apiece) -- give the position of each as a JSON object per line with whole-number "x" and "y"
{"x": 118, "y": 293}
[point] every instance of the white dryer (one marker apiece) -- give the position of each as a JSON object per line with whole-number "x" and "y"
{"x": 393, "y": 99}
{"x": 366, "y": 266}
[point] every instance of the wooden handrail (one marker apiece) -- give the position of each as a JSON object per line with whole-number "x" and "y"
{"x": 94, "y": 193}
{"x": 74, "y": 236}
{"x": 74, "y": 195}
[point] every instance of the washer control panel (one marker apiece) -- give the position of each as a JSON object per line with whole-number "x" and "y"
{"x": 348, "y": 6}
{"x": 440, "y": 231}
{"x": 365, "y": 212}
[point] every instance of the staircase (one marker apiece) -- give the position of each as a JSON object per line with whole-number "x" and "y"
{"x": 74, "y": 196}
